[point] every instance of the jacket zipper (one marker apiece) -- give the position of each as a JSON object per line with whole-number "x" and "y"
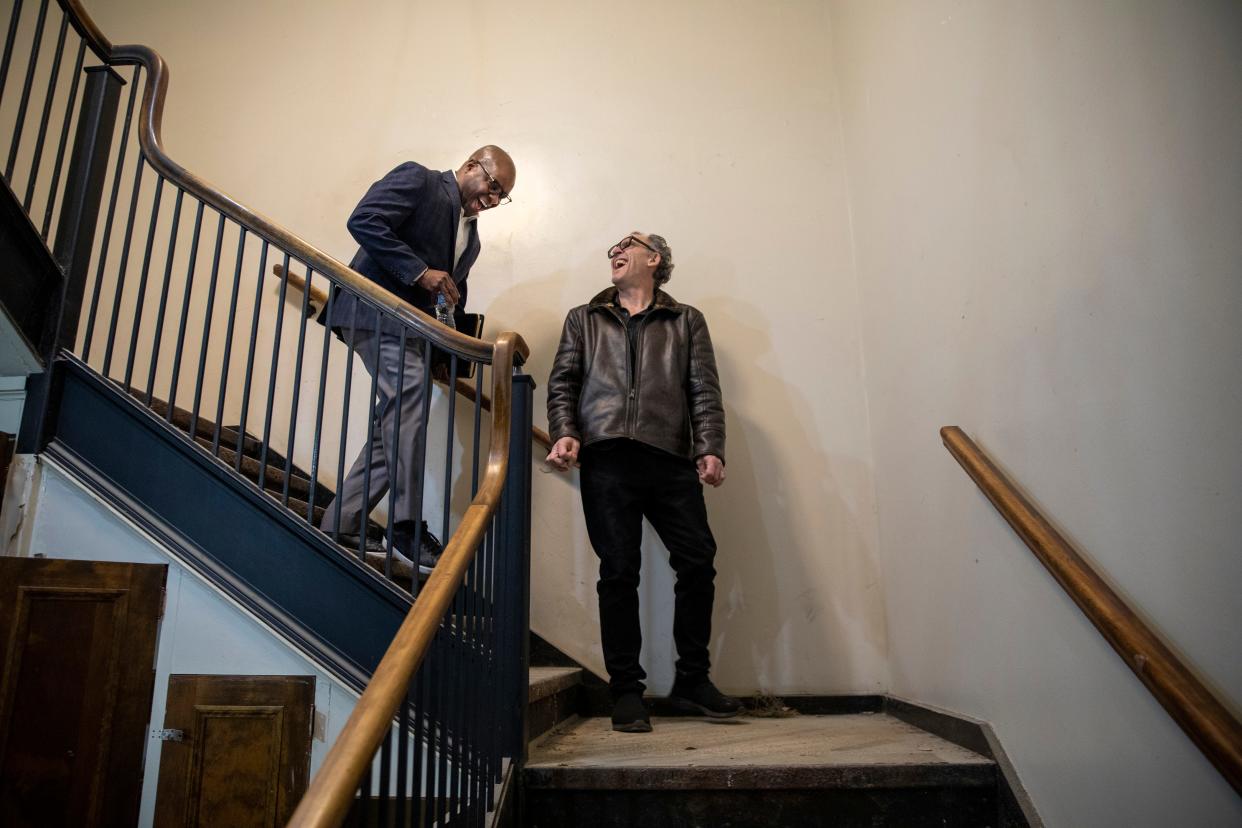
{"x": 631, "y": 371}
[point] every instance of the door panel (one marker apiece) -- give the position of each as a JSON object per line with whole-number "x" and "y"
{"x": 244, "y": 757}
{"x": 75, "y": 694}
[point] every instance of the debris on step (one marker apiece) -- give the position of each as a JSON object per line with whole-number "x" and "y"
{"x": 763, "y": 706}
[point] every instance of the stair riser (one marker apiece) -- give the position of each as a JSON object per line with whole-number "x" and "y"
{"x": 548, "y": 712}
{"x": 946, "y": 807}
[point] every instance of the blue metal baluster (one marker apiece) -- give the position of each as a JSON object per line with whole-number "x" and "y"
{"x": 297, "y": 392}
{"x": 64, "y": 142}
{"x": 340, "y": 460}
{"x": 385, "y": 785}
{"x": 47, "y": 113}
{"x": 21, "y": 109}
{"x": 372, "y": 401}
{"x": 159, "y": 317}
{"x": 393, "y": 476}
{"x": 254, "y": 338}
{"x": 185, "y": 316}
{"x": 421, "y": 454}
{"x": 448, "y": 447}
{"x": 323, "y": 387}
{"x": 403, "y": 756}
{"x": 211, "y": 305}
{"x": 271, "y": 380}
{"x": 142, "y": 285}
{"x": 8, "y": 46}
{"x": 419, "y": 788}
{"x": 228, "y": 341}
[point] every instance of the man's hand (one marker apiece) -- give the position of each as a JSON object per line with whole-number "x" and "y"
{"x": 438, "y": 281}
{"x": 711, "y": 470}
{"x": 564, "y": 454}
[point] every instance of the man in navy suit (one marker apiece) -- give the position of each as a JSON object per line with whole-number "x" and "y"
{"x": 417, "y": 238}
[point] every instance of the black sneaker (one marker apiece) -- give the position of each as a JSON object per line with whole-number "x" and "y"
{"x": 703, "y": 699}
{"x": 629, "y": 714}
{"x": 429, "y": 550}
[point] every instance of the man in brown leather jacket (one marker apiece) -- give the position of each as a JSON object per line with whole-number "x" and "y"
{"x": 634, "y": 398}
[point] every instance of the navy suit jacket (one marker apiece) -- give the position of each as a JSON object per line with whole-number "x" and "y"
{"x": 406, "y": 223}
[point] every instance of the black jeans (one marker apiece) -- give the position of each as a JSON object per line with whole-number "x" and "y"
{"x": 623, "y": 482}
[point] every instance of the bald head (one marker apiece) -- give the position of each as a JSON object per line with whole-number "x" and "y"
{"x": 501, "y": 165}
{"x": 485, "y": 179}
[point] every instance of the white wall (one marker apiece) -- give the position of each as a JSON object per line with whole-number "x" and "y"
{"x": 1046, "y": 216}
{"x": 714, "y": 125}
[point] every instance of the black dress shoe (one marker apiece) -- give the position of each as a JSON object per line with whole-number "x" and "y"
{"x": 629, "y": 714}
{"x": 703, "y": 699}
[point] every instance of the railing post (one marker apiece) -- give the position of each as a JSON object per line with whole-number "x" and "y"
{"x": 79, "y": 212}
{"x": 516, "y": 543}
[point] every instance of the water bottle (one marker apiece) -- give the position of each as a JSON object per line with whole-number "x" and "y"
{"x": 444, "y": 312}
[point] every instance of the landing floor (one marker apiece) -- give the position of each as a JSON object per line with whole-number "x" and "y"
{"x": 858, "y": 749}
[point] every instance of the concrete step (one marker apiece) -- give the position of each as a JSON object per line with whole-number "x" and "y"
{"x": 552, "y": 698}
{"x": 860, "y": 769}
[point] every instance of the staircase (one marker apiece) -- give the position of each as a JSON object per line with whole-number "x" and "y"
{"x": 269, "y": 471}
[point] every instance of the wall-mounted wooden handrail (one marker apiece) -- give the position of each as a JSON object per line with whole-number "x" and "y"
{"x": 1206, "y": 720}
{"x": 331, "y": 792}
{"x": 467, "y": 390}
{"x": 319, "y": 299}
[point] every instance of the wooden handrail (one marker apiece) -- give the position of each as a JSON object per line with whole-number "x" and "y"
{"x": 331, "y": 792}
{"x": 467, "y": 390}
{"x": 1203, "y": 717}
{"x": 86, "y": 28}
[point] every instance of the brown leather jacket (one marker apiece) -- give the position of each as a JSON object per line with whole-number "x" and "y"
{"x": 674, "y": 400}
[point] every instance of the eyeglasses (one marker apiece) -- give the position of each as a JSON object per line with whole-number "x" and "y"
{"x": 625, "y": 244}
{"x": 493, "y": 186}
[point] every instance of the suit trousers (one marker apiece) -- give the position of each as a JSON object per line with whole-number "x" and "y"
{"x": 624, "y": 481}
{"x": 396, "y": 447}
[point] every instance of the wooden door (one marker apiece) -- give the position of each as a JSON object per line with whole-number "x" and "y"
{"x": 244, "y": 752}
{"x": 78, "y": 655}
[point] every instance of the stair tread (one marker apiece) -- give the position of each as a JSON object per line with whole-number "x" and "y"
{"x": 547, "y": 681}
{"x": 855, "y": 750}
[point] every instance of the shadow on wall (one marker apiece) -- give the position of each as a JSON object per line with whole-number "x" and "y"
{"x": 785, "y": 533}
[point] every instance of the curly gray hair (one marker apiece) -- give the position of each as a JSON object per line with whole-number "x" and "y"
{"x": 664, "y": 271}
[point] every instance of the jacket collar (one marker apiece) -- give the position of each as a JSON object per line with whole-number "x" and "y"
{"x": 607, "y": 298}
{"x": 449, "y": 180}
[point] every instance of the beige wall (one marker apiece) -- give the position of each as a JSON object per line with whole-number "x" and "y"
{"x": 1046, "y": 212}
{"x": 715, "y": 126}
